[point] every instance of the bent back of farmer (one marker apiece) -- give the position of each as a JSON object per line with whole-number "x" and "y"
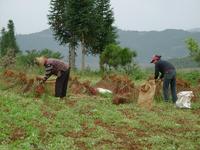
{"x": 58, "y": 68}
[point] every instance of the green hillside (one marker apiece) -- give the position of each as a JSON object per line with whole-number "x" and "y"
{"x": 185, "y": 62}
{"x": 168, "y": 43}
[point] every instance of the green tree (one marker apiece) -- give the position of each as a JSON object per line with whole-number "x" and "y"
{"x": 194, "y": 49}
{"x": 82, "y": 12}
{"x": 3, "y": 42}
{"x": 88, "y": 21}
{"x": 105, "y": 32}
{"x": 62, "y": 24}
{"x": 8, "y": 40}
{"x": 115, "y": 57}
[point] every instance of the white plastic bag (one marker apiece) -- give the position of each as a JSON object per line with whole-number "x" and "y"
{"x": 103, "y": 91}
{"x": 184, "y": 98}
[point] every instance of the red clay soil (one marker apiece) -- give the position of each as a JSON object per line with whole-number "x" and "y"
{"x": 121, "y": 100}
{"x": 39, "y": 90}
{"x": 77, "y": 87}
{"x": 8, "y": 73}
{"x": 29, "y": 85}
{"x": 17, "y": 134}
{"x": 22, "y": 78}
{"x": 121, "y": 133}
{"x": 127, "y": 113}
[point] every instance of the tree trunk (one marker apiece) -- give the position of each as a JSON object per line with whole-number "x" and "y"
{"x": 72, "y": 56}
{"x": 83, "y": 54}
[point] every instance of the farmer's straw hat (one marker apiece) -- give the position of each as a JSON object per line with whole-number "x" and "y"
{"x": 40, "y": 60}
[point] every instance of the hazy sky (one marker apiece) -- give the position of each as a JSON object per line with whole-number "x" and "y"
{"x": 30, "y": 16}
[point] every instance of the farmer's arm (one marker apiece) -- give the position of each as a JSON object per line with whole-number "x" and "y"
{"x": 48, "y": 69}
{"x": 156, "y": 72}
{"x": 161, "y": 76}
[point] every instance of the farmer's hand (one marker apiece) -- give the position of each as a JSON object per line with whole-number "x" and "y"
{"x": 42, "y": 81}
{"x": 161, "y": 79}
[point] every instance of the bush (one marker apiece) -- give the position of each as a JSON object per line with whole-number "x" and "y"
{"x": 192, "y": 76}
{"x": 115, "y": 57}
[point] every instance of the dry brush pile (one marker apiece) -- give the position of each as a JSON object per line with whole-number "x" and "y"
{"x": 22, "y": 83}
{"x": 123, "y": 88}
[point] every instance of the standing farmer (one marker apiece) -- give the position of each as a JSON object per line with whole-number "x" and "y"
{"x": 58, "y": 68}
{"x": 168, "y": 75}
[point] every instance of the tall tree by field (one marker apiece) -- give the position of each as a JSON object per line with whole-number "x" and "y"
{"x": 80, "y": 18}
{"x": 88, "y": 21}
{"x": 59, "y": 20}
{"x": 105, "y": 32}
{"x": 194, "y": 49}
{"x": 3, "y": 42}
{"x": 8, "y": 40}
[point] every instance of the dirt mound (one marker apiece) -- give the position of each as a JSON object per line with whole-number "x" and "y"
{"x": 22, "y": 82}
{"x": 121, "y": 99}
{"x": 182, "y": 85}
{"x": 77, "y": 87}
{"x": 8, "y": 73}
{"x": 122, "y": 87}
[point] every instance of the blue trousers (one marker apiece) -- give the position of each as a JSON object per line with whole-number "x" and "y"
{"x": 170, "y": 80}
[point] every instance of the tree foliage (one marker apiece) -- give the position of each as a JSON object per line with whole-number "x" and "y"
{"x": 8, "y": 40}
{"x": 89, "y": 22}
{"x": 194, "y": 49}
{"x": 62, "y": 24}
{"x": 8, "y": 59}
{"x": 28, "y": 58}
{"x": 114, "y": 57}
{"x": 104, "y": 32}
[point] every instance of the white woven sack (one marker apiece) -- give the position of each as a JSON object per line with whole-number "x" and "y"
{"x": 184, "y": 99}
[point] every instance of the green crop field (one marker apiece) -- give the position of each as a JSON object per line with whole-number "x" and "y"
{"x": 84, "y": 122}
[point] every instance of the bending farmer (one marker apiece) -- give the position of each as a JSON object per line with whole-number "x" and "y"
{"x": 168, "y": 75}
{"x": 58, "y": 68}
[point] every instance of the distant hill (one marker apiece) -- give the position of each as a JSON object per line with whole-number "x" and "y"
{"x": 194, "y": 30}
{"x": 169, "y": 43}
{"x": 183, "y": 63}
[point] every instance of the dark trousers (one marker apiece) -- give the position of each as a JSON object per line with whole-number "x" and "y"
{"x": 61, "y": 84}
{"x": 170, "y": 79}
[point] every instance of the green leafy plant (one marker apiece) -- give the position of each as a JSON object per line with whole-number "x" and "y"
{"x": 115, "y": 57}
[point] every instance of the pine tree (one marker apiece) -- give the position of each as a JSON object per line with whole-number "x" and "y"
{"x": 60, "y": 24}
{"x": 8, "y": 40}
{"x": 89, "y": 23}
{"x": 3, "y": 42}
{"x": 106, "y": 32}
{"x": 79, "y": 14}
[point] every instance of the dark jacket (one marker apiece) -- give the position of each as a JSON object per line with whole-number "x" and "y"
{"x": 163, "y": 67}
